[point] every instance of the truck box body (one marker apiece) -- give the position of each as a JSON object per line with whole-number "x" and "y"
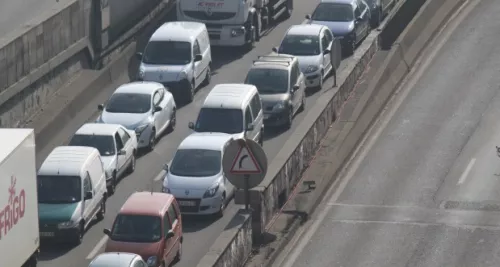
{"x": 19, "y": 236}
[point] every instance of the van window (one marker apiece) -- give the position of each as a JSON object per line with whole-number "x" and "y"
{"x": 119, "y": 144}
{"x": 172, "y": 214}
{"x": 167, "y": 226}
{"x": 256, "y": 105}
{"x": 87, "y": 183}
{"x": 124, "y": 136}
{"x": 248, "y": 116}
{"x": 196, "y": 48}
{"x": 58, "y": 189}
{"x": 167, "y": 53}
{"x": 219, "y": 120}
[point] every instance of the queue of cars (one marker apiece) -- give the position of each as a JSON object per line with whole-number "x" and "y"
{"x": 75, "y": 180}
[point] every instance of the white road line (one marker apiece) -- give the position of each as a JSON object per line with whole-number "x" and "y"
{"x": 160, "y": 176}
{"x": 97, "y": 248}
{"x": 465, "y": 174}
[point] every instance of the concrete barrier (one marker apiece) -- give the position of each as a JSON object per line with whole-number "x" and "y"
{"x": 233, "y": 246}
{"x": 43, "y": 55}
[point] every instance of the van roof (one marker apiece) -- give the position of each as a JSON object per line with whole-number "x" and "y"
{"x": 183, "y": 31}
{"x": 229, "y": 95}
{"x": 209, "y": 141}
{"x": 98, "y": 129}
{"x": 113, "y": 259}
{"x": 66, "y": 160}
{"x": 305, "y": 29}
{"x": 147, "y": 203}
{"x": 139, "y": 87}
{"x": 10, "y": 139}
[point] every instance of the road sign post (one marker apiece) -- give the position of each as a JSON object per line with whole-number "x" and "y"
{"x": 245, "y": 165}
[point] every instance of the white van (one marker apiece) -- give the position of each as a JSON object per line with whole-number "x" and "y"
{"x": 178, "y": 55}
{"x": 71, "y": 192}
{"x": 233, "y": 109}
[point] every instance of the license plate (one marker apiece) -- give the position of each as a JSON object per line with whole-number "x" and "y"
{"x": 46, "y": 234}
{"x": 187, "y": 203}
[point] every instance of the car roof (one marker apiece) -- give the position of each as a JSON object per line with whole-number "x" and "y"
{"x": 147, "y": 203}
{"x": 183, "y": 31}
{"x": 229, "y": 95}
{"x": 305, "y": 29}
{"x": 98, "y": 129}
{"x": 139, "y": 87}
{"x": 274, "y": 60}
{"x": 10, "y": 139}
{"x": 113, "y": 259}
{"x": 66, "y": 160}
{"x": 209, "y": 141}
{"x": 347, "y": 2}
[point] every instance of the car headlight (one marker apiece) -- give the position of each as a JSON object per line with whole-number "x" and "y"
{"x": 141, "y": 128}
{"x": 152, "y": 261}
{"x": 279, "y": 106}
{"x": 66, "y": 225}
{"x": 311, "y": 69}
{"x": 182, "y": 75}
{"x": 211, "y": 191}
{"x": 237, "y": 32}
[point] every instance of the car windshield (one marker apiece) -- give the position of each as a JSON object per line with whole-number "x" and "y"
{"x": 104, "y": 143}
{"x": 167, "y": 53}
{"x": 269, "y": 81}
{"x": 196, "y": 162}
{"x": 300, "y": 45}
{"x": 219, "y": 120}
{"x": 333, "y": 12}
{"x": 59, "y": 189}
{"x": 136, "y": 228}
{"x": 129, "y": 103}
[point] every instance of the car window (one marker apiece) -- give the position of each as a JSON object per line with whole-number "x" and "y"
{"x": 156, "y": 99}
{"x": 172, "y": 214}
{"x": 167, "y": 226}
{"x": 248, "y": 116}
{"x": 357, "y": 11}
{"x": 362, "y": 5}
{"x": 196, "y": 48}
{"x": 139, "y": 263}
{"x": 104, "y": 143}
{"x": 293, "y": 77}
{"x": 324, "y": 43}
{"x": 296, "y": 70}
{"x": 329, "y": 35}
{"x": 124, "y": 135}
{"x": 193, "y": 163}
{"x": 256, "y": 105}
{"x": 119, "y": 143}
{"x": 220, "y": 120}
{"x": 87, "y": 183}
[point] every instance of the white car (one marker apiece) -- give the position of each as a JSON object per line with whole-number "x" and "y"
{"x": 144, "y": 107}
{"x": 311, "y": 44}
{"x": 195, "y": 176}
{"x": 118, "y": 259}
{"x": 116, "y": 144}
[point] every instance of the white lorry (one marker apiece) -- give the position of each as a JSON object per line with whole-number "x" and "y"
{"x": 19, "y": 234}
{"x": 234, "y": 22}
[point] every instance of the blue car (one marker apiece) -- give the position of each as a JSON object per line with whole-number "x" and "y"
{"x": 348, "y": 20}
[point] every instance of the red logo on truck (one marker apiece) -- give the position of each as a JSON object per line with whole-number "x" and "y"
{"x": 11, "y": 213}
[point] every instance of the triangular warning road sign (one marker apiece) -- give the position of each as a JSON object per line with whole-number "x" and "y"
{"x": 245, "y": 163}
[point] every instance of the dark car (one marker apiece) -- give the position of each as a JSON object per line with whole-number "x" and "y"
{"x": 349, "y": 20}
{"x": 379, "y": 9}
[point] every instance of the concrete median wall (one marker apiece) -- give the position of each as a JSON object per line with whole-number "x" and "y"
{"x": 40, "y": 57}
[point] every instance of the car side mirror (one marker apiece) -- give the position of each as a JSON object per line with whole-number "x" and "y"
{"x": 100, "y": 107}
{"x": 122, "y": 153}
{"x": 191, "y": 125}
{"x": 107, "y": 232}
{"x": 88, "y": 195}
{"x": 198, "y": 58}
{"x": 165, "y": 167}
{"x": 326, "y": 51}
{"x": 138, "y": 55}
{"x": 308, "y": 16}
{"x": 250, "y": 127}
{"x": 169, "y": 234}
{"x": 275, "y": 49}
{"x": 157, "y": 109}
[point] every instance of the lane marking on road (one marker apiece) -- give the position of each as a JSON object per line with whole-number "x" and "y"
{"x": 160, "y": 176}
{"x": 97, "y": 248}
{"x": 466, "y": 172}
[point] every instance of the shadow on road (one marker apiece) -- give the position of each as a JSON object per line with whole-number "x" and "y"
{"x": 193, "y": 223}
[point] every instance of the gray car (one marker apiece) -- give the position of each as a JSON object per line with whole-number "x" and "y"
{"x": 348, "y": 20}
{"x": 281, "y": 86}
{"x": 379, "y": 9}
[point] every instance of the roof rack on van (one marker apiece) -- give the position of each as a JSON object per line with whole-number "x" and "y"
{"x": 274, "y": 59}
{"x": 282, "y": 57}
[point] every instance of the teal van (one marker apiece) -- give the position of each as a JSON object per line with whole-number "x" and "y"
{"x": 71, "y": 192}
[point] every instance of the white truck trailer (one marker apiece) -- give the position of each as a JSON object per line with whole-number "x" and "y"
{"x": 234, "y": 22}
{"x": 19, "y": 234}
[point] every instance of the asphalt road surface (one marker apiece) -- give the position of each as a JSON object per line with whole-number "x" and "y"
{"x": 15, "y": 14}
{"x": 424, "y": 191}
{"x": 199, "y": 233}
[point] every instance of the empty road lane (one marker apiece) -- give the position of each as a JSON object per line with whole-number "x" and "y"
{"x": 424, "y": 190}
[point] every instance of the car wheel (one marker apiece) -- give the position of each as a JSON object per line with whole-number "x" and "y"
{"x": 173, "y": 121}
{"x": 178, "y": 256}
{"x": 220, "y": 213}
{"x": 351, "y": 47}
{"x": 79, "y": 234}
{"x": 208, "y": 76}
{"x": 102, "y": 211}
{"x": 112, "y": 186}
{"x": 261, "y": 138}
{"x": 131, "y": 167}
{"x": 190, "y": 93}
{"x": 302, "y": 103}
{"x": 376, "y": 18}
{"x": 321, "y": 80}
{"x": 152, "y": 140}
{"x": 289, "y": 121}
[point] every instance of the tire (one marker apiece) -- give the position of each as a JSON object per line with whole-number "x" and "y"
{"x": 261, "y": 138}
{"x": 208, "y": 76}
{"x": 321, "y": 81}
{"x": 190, "y": 93}
{"x": 79, "y": 235}
{"x": 376, "y": 18}
{"x": 220, "y": 213}
{"x": 178, "y": 256}
{"x": 173, "y": 121}
{"x": 289, "y": 9}
{"x": 131, "y": 167}
{"x": 102, "y": 211}
{"x": 152, "y": 140}
{"x": 350, "y": 48}
{"x": 289, "y": 122}
{"x": 114, "y": 181}
{"x": 302, "y": 103}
